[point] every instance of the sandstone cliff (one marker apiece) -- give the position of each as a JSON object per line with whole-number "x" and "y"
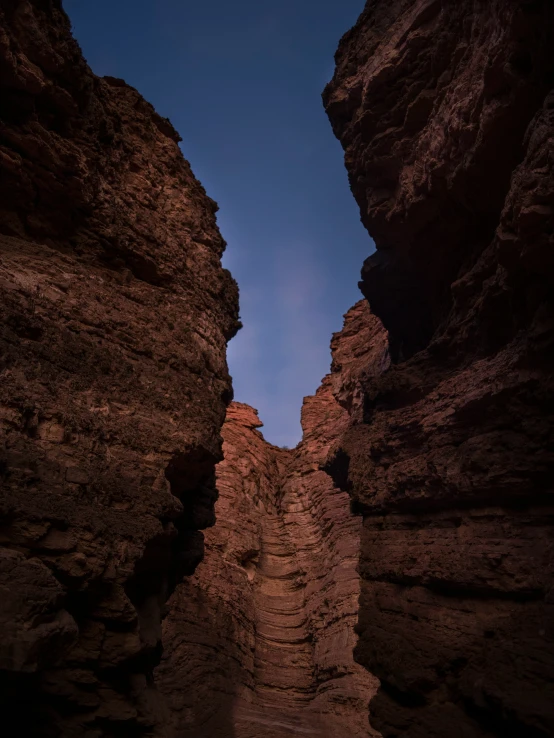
{"x": 446, "y": 114}
{"x": 113, "y": 383}
{"x": 260, "y": 639}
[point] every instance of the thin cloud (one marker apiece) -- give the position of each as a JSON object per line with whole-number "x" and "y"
{"x": 282, "y": 351}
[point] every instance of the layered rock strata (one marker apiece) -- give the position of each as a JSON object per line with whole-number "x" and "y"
{"x": 446, "y": 114}
{"x": 260, "y": 639}
{"x": 113, "y": 383}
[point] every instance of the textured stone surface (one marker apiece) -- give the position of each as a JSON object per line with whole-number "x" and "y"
{"x": 446, "y": 115}
{"x": 260, "y": 639}
{"x": 113, "y": 383}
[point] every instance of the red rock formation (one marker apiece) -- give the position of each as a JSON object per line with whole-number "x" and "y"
{"x": 260, "y": 640}
{"x": 446, "y": 115}
{"x": 113, "y": 383}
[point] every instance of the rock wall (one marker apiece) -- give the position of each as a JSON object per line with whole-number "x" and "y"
{"x": 113, "y": 383}
{"x": 260, "y": 639}
{"x": 446, "y": 114}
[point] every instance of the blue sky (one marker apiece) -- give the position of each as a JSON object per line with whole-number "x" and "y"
{"x": 242, "y": 81}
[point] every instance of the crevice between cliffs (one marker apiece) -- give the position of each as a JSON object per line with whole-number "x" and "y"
{"x": 261, "y": 637}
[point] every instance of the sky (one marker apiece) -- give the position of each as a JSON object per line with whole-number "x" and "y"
{"x": 241, "y": 81}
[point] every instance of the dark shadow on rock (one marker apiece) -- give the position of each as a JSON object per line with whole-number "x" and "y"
{"x": 202, "y": 664}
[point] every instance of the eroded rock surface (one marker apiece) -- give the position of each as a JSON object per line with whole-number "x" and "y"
{"x": 113, "y": 383}
{"x": 260, "y": 639}
{"x": 446, "y": 114}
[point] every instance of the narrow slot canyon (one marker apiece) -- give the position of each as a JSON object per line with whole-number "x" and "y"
{"x": 261, "y": 638}
{"x": 165, "y": 571}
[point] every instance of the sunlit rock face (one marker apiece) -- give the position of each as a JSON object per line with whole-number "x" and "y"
{"x": 446, "y": 114}
{"x": 113, "y": 384}
{"x": 259, "y": 641}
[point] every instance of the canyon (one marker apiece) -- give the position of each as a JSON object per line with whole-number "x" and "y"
{"x": 260, "y": 639}
{"x": 164, "y": 570}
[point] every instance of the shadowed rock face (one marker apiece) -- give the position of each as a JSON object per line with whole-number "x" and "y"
{"x": 260, "y": 639}
{"x": 446, "y": 115}
{"x": 113, "y": 383}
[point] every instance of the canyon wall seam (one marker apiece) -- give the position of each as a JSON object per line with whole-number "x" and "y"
{"x": 260, "y": 639}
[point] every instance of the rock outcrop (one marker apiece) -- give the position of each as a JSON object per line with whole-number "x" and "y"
{"x": 259, "y": 641}
{"x": 113, "y": 383}
{"x": 446, "y": 114}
